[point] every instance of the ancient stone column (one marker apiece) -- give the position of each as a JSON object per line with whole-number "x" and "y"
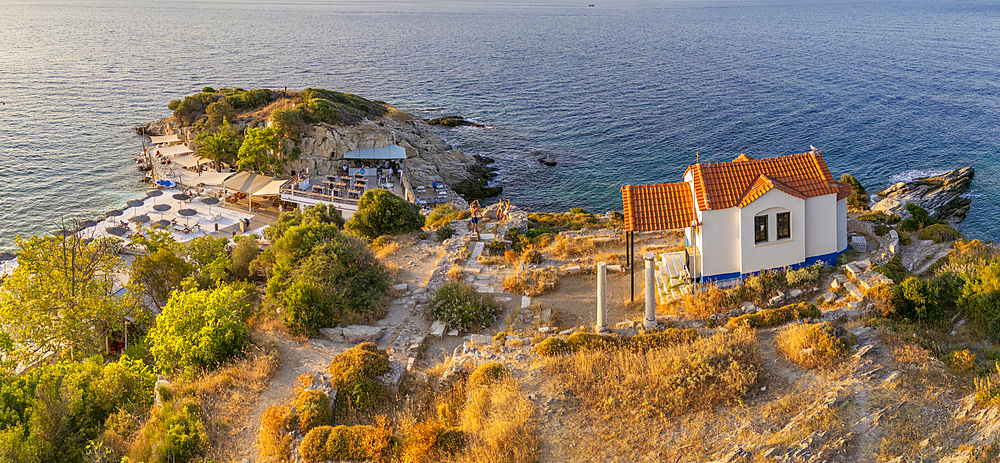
{"x": 602, "y": 293}
{"x": 650, "y": 320}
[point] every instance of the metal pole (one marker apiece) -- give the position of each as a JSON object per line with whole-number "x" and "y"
{"x": 630, "y": 251}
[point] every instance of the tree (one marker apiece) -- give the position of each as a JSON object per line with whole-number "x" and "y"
{"x": 289, "y": 121}
{"x": 62, "y": 298}
{"x": 159, "y": 273}
{"x": 261, "y": 151}
{"x": 221, "y": 146}
{"x": 321, "y": 277}
{"x": 218, "y": 112}
{"x": 200, "y": 329}
{"x": 383, "y": 213}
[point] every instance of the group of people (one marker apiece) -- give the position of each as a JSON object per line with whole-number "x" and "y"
{"x": 503, "y": 212}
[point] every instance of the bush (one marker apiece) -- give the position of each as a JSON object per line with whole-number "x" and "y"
{"x": 463, "y": 308}
{"x": 981, "y": 298}
{"x": 313, "y": 447}
{"x": 774, "y": 317}
{"x": 200, "y": 329}
{"x": 275, "y": 436}
{"x": 815, "y": 345}
{"x": 802, "y": 275}
{"x": 962, "y": 360}
{"x": 893, "y": 269}
{"x": 341, "y": 108}
{"x": 988, "y": 388}
{"x": 174, "y": 433}
{"x": 313, "y": 407}
{"x": 858, "y": 199}
{"x": 383, "y": 213}
{"x": 488, "y": 374}
{"x": 888, "y": 301}
{"x": 531, "y": 255}
{"x": 919, "y": 218}
{"x": 444, "y": 233}
{"x": 353, "y": 376}
{"x": 443, "y": 215}
{"x": 496, "y": 248}
{"x": 939, "y": 233}
{"x": 245, "y": 252}
{"x": 880, "y": 217}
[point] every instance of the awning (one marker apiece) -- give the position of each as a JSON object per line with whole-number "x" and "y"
{"x": 175, "y": 150}
{"x": 164, "y": 139}
{"x": 190, "y": 160}
{"x": 247, "y": 182}
{"x": 388, "y": 152}
{"x": 212, "y": 178}
{"x": 271, "y": 189}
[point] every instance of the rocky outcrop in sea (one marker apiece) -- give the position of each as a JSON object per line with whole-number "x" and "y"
{"x": 941, "y": 195}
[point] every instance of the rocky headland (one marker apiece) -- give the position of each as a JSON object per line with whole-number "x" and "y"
{"x": 321, "y": 145}
{"x": 941, "y": 195}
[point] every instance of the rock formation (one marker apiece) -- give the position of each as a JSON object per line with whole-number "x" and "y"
{"x": 429, "y": 158}
{"x": 940, "y": 195}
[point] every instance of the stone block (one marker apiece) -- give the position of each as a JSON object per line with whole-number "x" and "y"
{"x": 400, "y": 287}
{"x": 829, "y": 296}
{"x": 332, "y": 334}
{"x": 525, "y": 302}
{"x": 546, "y": 315}
{"x": 614, "y": 268}
{"x": 453, "y": 333}
{"x": 867, "y": 263}
{"x": 835, "y": 284}
{"x": 748, "y": 307}
{"x": 437, "y": 328}
{"x": 358, "y": 334}
{"x": 573, "y": 269}
{"x": 795, "y": 292}
{"x": 480, "y": 339}
{"x": 852, "y": 270}
{"x": 854, "y": 291}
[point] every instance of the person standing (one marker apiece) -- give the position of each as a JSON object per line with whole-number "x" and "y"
{"x": 474, "y": 210}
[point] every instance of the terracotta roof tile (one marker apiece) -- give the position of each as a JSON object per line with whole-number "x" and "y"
{"x": 667, "y": 206}
{"x": 725, "y": 184}
{"x": 843, "y": 190}
{"x": 762, "y": 185}
{"x": 743, "y": 157}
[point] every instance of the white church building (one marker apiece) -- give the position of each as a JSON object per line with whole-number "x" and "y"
{"x": 747, "y": 215}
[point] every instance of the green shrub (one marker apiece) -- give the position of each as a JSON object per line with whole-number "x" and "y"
{"x": 880, "y": 217}
{"x": 661, "y": 339}
{"x": 774, "y": 317}
{"x": 578, "y": 210}
{"x": 353, "y": 375}
{"x": 463, "y": 308}
{"x": 313, "y": 447}
{"x": 488, "y": 374}
{"x": 802, "y": 275}
{"x": 939, "y": 233}
{"x": 174, "y": 433}
{"x": 383, "y": 213}
{"x": 200, "y": 329}
{"x": 893, "y": 269}
{"x": 815, "y": 345}
{"x": 444, "y": 233}
{"x": 919, "y": 218}
{"x": 245, "y": 252}
{"x": 888, "y": 301}
{"x": 341, "y": 108}
{"x": 289, "y": 121}
{"x": 922, "y": 300}
{"x": 858, "y": 199}
{"x": 314, "y": 410}
{"x": 443, "y": 215}
{"x": 497, "y": 248}
{"x": 881, "y": 229}
{"x": 553, "y": 346}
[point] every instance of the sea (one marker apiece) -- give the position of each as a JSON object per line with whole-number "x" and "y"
{"x": 615, "y": 92}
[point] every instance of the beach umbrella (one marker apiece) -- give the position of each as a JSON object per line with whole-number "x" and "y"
{"x": 133, "y": 203}
{"x": 187, "y": 213}
{"x": 153, "y": 194}
{"x": 210, "y": 201}
{"x": 113, "y": 213}
{"x": 163, "y": 223}
{"x": 140, "y": 219}
{"x": 117, "y": 231}
{"x": 87, "y": 223}
{"x": 181, "y": 197}
{"x": 161, "y": 208}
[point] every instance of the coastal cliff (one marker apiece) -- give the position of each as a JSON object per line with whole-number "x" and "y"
{"x": 941, "y": 195}
{"x": 320, "y": 145}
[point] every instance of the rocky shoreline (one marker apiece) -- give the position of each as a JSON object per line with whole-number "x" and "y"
{"x": 941, "y": 195}
{"x": 322, "y": 146}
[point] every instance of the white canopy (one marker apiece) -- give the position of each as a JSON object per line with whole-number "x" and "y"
{"x": 190, "y": 160}
{"x": 175, "y": 150}
{"x": 164, "y": 139}
{"x": 211, "y": 178}
{"x": 388, "y": 152}
{"x": 247, "y": 182}
{"x": 271, "y": 189}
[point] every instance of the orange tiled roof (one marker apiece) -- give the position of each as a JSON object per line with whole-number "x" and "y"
{"x": 843, "y": 190}
{"x": 762, "y": 185}
{"x": 726, "y": 184}
{"x": 743, "y": 157}
{"x": 668, "y": 206}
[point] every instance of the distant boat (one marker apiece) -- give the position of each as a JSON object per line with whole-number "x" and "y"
{"x": 591, "y": 4}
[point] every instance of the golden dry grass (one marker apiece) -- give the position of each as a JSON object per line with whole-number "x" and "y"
{"x": 387, "y": 249}
{"x": 533, "y": 281}
{"x": 563, "y": 247}
{"x": 668, "y": 381}
{"x": 814, "y": 345}
{"x": 455, "y": 273}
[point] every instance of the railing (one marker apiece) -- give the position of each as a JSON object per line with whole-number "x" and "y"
{"x": 407, "y": 190}
{"x": 288, "y": 190}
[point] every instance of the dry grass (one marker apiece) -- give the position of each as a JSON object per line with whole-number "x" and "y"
{"x": 705, "y": 303}
{"x": 228, "y": 393}
{"x": 564, "y": 248}
{"x": 490, "y": 260}
{"x": 499, "y": 424}
{"x": 386, "y": 249}
{"x": 667, "y": 381}
{"x": 533, "y": 282}
{"x": 455, "y": 273}
{"x": 814, "y": 345}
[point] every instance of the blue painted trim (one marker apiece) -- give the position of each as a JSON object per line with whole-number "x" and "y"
{"x": 719, "y": 276}
{"x": 687, "y": 241}
{"x": 828, "y": 259}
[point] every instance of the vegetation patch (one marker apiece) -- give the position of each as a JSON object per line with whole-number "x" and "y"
{"x": 353, "y": 375}
{"x": 880, "y": 217}
{"x": 355, "y": 443}
{"x": 775, "y": 317}
{"x": 488, "y": 374}
{"x": 722, "y": 369}
{"x": 815, "y": 345}
{"x": 443, "y": 215}
{"x": 858, "y": 199}
{"x": 939, "y": 233}
{"x": 383, "y": 213}
{"x": 578, "y": 342}
{"x": 463, "y": 308}
{"x": 531, "y": 281}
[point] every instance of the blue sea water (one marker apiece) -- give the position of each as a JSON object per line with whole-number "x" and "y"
{"x": 618, "y": 93}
